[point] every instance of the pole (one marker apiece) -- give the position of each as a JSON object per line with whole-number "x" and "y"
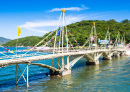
{"x": 16, "y": 46}
{"x": 54, "y": 43}
{"x": 68, "y": 62}
{"x": 52, "y": 62}
{"x": 62, "y": 30}
{"x": 63, "y": 62}
{"x": 91, "y": 35}
{"x": 109, "y": 40}
{"x": 27, "y": 77}
{"x": 58, "y": 62}
{"x": 66, "y": 35}
{"x": 59, "y": 42}
{"x": 16, "y": 74}
{"x": 124, "y": 39}
{"x": 95, "y": 35}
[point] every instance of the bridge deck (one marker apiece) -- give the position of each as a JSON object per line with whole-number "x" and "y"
{"x": 43, "y": 57}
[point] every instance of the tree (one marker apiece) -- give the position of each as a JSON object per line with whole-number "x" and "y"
{"x": 112, "y": 20}
{"x": 125, "y": 21}
{"x": 81, "y": 31}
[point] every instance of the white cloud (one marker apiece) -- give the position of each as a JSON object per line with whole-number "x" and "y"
{"x": 83, "y": 7}
{"x": 37, "y": 30}
{"x": 40, "y": 24}
{"x": 34, "y": 25}
{"x": 54, "y": 23}
{"x": 50, "y": 23}
{"x": 72, "y": 19}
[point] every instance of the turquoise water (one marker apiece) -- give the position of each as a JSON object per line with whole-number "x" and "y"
{"x": 108, "y": 76}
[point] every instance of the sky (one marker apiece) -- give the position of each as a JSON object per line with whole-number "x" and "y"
{"x": 37, "y": 17}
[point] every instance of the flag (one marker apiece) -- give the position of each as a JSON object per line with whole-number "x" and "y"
{"x": 58, "y": 43}
{"x": 7, "y": 50}
{"x": 65, "y": 38}
{"x": 19, "y": 31}
{"x": 58, "y": 32}
{"x": 12, "y": 51}
{"x": 91, "y": 38}
{"x": 98, "y": 39}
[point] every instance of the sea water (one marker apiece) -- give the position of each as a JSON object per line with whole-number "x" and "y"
{"x": 110, "y": 75}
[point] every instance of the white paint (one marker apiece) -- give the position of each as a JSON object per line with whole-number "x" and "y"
{"x": 66, "y": 72}
{"x": 128, "y": 52}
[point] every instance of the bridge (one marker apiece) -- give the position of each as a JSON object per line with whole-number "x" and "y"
{"x": 92, "y": 53}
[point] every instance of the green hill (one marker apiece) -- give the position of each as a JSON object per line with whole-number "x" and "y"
{"x": 3, "y": 40}
{"x": 81, "y": 30}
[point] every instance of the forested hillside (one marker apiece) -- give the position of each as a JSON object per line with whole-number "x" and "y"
{"x": 26, "y": 41}
{"x": 81, "y": 31}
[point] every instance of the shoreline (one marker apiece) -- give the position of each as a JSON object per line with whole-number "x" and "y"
{"x": 127, "y": 47}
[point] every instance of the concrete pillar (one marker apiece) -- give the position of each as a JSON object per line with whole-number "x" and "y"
{"x": 96, "y": 61}
{"x": 94, "y": 55}
{"x": 92, "y": 63}
{"x": 118, "y": 54}
{"x": 68, "y": 62}
{"x": 54, "y": 73}
{"x": 63, "y": 62}
{"x": 97, "y": 54}
{"x": 110, "y": 57}
{"x": 66, "y": 72}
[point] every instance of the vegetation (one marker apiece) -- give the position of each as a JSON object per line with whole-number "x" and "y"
{"x": 26, "y": 41}
{"x": 81, "y": 30}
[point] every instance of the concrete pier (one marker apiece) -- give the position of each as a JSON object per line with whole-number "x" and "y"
{"x": 92, "y": 63}
{"x": 54, "y": 73}
{"x": 66, "y": 72}
{"x": 57, "y": 73}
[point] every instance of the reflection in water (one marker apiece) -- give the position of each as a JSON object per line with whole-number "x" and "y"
{"x": 109, "y": 75}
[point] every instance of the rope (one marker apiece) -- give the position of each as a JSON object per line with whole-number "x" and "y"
{"x": 74, "y": 38}
{"x": 56, "y": 32}
{"x": 8, "y": 49}
{"x": 40, "y": 42}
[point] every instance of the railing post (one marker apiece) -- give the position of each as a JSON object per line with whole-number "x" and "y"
{"x": 63, "y": 62}
{"x": 97, "y": 54}
{"x": 52, "y": 62}
{"x": 16, "y": 74}
{"x": 27, "y": 77}
{"x": 94, "y": 55}
{"x": 68, "y": 62}
{"x": 58, "y": 62}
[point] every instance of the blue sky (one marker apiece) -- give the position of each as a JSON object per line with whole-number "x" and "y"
{"x": 37, "y": 17}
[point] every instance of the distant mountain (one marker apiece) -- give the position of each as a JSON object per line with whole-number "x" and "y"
{"x": 4, "y": 40}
